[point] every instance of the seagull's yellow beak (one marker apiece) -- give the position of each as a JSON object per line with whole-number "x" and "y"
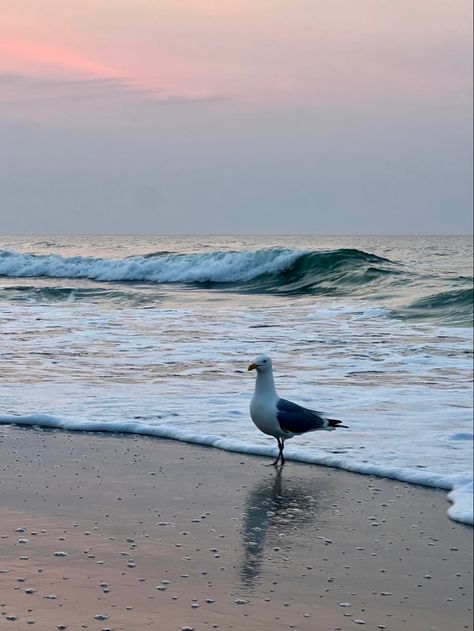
{"x": 252, "y": 367}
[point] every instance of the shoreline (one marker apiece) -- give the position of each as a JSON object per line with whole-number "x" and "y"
{"x": 459, "y": 495}
{"x": 153, "y": 533}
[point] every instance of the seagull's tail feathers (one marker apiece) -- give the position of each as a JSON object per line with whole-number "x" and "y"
{"x": 334, "y": 422}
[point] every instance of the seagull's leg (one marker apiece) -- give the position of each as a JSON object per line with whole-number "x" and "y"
{"x": 282, "y": 447}
{"x": 275, "y": 462}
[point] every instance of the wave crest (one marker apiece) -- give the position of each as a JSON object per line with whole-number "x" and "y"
{"x": 214, "y": 267}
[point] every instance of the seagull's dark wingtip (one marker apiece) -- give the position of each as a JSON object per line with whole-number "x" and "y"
{"x": 334, "y": 422}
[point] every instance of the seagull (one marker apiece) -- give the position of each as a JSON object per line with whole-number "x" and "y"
{"x": 278, "y": 417}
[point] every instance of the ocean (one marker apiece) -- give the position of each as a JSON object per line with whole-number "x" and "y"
{"x": 153, "y": 335}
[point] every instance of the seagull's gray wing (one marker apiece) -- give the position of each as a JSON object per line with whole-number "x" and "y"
{"x": 297, "y": 419}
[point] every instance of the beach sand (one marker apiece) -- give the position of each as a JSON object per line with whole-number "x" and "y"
{"x": 131, "y": 533}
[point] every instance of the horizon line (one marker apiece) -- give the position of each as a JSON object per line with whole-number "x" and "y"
{"x": 237, "y": 234}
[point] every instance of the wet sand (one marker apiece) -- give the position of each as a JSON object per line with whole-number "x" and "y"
{"x": 126, "y": 533}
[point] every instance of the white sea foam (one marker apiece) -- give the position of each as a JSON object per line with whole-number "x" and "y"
{"x": 462, "y": 499}
{"x": 219, "y": 267}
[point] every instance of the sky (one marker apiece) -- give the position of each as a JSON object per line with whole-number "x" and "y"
{"x": 235, "y": 116}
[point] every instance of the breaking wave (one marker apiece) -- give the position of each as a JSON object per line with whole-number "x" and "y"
{"x": 340, "y": 272}
{"x": 269, "y": 269}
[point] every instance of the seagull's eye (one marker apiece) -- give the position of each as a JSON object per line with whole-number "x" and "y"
{"x": 264, "y": 361}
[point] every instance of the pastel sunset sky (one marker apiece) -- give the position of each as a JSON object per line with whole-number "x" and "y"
{"x": 268, "y": 116}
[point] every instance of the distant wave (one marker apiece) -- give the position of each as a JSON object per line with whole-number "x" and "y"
{"x": 30, "y": 293}
{"x": 340, "y": 272}
{"x": 453, "y": 307}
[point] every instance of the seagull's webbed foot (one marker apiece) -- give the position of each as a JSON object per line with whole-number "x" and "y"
{"x": 274, "y": 463}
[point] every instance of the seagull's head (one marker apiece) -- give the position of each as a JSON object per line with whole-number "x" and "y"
{"x": 262, "y": 363}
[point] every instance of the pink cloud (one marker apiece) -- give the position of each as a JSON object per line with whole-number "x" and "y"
{"x": 22, "y": 56}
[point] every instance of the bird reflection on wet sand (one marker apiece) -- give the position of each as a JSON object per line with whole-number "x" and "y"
{"x": 275, "y": 509}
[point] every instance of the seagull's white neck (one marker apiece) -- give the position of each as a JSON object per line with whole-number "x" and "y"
{"x": 265, "y": 384}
